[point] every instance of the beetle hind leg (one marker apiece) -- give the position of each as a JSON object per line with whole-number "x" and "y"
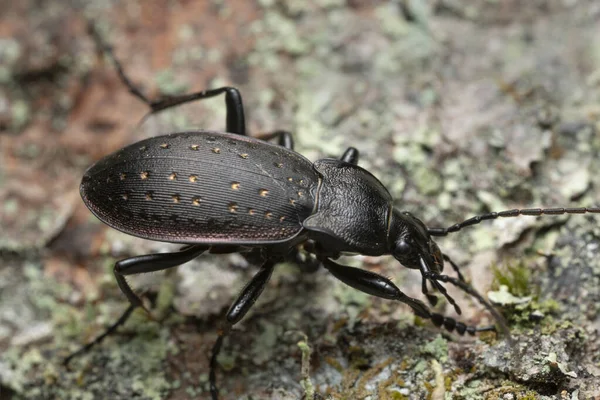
{"x": 235, "y": 120}
{"x": 284, "y": 138}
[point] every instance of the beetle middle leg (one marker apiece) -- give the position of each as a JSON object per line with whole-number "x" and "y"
{"x": 136, "y": 265}
{"x": 235, "y": 119}
{"x": 152, "y": 263}
{"x": 236, "y": 312}
{"x": 350, "y": 156}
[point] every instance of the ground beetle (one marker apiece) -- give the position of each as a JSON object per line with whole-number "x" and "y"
{"x": 228, "y": 192}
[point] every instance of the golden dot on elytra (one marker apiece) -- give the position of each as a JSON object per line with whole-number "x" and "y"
{"x": 149, "y": 196}
{"x": 122, "y": 176}
{"x": 233, "y": 207}
{"x": 263, "y": 192}
{"x": 244, "y": 155}
{"x": 235, "y": 185}
{"x": 196, "y": 201}
{"x": 251, "y": 211}
{"x": 173, "y": 176}
{"x": 193, "y": 178}
{"x": 216, "y": 150}
{"x": 268, "y": 215}
{"x": 144, "y": 175}
{"x": 194, "y": 147}
{"x": 164, "y": 146}
{"x": 176, "y": 198}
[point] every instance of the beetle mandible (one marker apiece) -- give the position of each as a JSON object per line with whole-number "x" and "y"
{"x": 229, "y": 192}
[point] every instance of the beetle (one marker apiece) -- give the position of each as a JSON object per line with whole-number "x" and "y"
{"x": 225, "y": 192}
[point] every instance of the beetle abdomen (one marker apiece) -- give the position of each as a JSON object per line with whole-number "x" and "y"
{"x": 197, "y": 187}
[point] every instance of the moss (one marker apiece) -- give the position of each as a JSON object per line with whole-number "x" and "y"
{"x": 335, "y": 364}
{"x": 438, "y": 348}
{"x": 514, "y": 275}
{"x": 451, "y": 377}
{"x": 306, "y": 383}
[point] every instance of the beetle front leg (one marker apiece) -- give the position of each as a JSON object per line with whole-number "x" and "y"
{"x": 471, "y": 291}
{"x": 377, "y": 285}
{"x": 236, "y": 312}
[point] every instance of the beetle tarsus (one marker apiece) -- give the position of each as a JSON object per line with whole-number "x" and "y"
{"x": 377, "y": 285}
{"x": 235, "y": 120}
{"x": 122, "y": 319}
{"x": 470, "y": 290}
{"x": 236, "y": 312}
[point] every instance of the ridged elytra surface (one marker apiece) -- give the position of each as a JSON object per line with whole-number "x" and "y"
{"x": 202, "y": 187}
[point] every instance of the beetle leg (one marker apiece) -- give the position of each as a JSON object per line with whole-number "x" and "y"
{"x": 151, "y": 263}
{"x": 377, "y": 285}
{"x": 235, "y": 122}
{"x": 284, "y": 138}
{"x": 350, "y": 156}
{"x": 236, "y": 312}
{"x": 122, "y": 319}
{"x": 136, "y": 265}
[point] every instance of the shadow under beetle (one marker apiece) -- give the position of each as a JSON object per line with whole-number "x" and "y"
{"x": 228, "y": 192}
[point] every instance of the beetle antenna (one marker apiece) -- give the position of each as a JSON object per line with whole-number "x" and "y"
{"x": 535, "y": 212}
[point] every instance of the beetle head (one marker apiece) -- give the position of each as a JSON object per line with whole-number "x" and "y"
{"x": 412, "y": 245}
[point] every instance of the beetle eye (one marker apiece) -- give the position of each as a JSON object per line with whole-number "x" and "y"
{"x": 402, "y": 248}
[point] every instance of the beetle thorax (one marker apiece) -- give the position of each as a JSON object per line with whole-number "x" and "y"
{"x": 352, "y": 210}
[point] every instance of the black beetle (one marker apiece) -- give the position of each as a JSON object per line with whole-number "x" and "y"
{"x": 228, "y": 192}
